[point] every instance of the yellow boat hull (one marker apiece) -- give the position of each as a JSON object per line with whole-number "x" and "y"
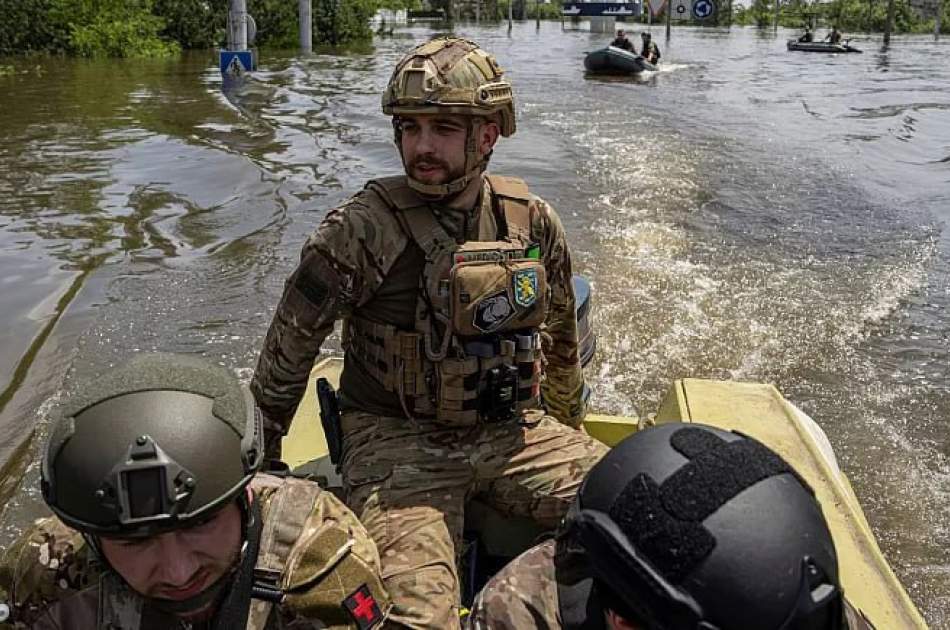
{"x": 754, "y": 409}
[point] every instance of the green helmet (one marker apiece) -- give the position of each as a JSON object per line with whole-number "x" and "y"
{"x": 450, "y": 75}
{"x": 156, "y": 444}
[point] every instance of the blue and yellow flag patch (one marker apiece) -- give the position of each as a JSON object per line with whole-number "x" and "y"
{"x": 525, "y": 286}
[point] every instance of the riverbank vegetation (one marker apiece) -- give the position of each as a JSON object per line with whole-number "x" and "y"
{"x": 848, "y": 15}
{"x": 161, "y": 28}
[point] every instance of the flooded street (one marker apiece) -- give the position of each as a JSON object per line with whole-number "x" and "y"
{"x": 746, "y": 213}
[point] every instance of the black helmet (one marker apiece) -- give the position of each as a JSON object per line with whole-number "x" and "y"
{"x": 695, "y": 527}
{"x": 153, "y": 445}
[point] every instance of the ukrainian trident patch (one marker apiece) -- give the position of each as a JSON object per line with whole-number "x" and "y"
{"x": 525, "y": 286}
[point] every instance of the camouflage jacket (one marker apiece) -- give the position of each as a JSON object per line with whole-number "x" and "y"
{"x": 525, "y": 594}
{"x": 347, "y": 267}
{"x": 52, "y": 580}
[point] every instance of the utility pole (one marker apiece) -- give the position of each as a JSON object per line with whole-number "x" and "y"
{"x": 937, "y": 11}
{"x": 510, "y": 8}
{"x": 537, "y": 15}
{"x": 778, "y": 6}
{"x": 237, "y": 23}
{"x": 870, "y": 18}
{"x": 890, "y": 22}
{"x": 669, "y": 13}
{"x": 306, "y": 26}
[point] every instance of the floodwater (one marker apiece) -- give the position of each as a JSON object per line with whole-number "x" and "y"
{"x": 745, "y": 213}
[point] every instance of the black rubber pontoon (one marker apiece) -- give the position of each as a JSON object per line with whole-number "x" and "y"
{"x": 823, "y": 47}
{"x": 612, "y": 60}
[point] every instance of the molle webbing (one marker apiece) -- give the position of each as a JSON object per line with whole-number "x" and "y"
{"x": 514, "y": 198}
{"x": 435, "y": 372}
{"x": 289, "y": 503}
{"x": 391, "y": 356}
{"x": 396, "y": 359}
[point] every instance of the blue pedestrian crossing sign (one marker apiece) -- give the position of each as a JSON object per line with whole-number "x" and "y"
{"x": 236, "y": 62}
{"x": 703, "y": 9}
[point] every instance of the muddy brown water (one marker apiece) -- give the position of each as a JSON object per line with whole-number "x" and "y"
{"x": 745, "y": 213}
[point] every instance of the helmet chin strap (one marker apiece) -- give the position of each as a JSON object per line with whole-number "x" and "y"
{"x": 475, "y": 165}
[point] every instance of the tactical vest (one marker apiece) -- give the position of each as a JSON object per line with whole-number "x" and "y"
{"x": 474, "y": 354}
{"x": 291, "y": 568}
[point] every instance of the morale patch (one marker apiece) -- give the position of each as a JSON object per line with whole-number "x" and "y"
{"x": 363, "y": 608}
{"x": 525, "y": 286}
{"x": 493, "y": 311}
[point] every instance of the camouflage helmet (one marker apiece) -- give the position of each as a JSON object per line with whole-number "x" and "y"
{"x": 156, "y": 444}
{"x": 450, "y": 75}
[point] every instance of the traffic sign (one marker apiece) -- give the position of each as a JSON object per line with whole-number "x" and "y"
{"x": 703, "y": 9}
{"x": 656, "y": 6}
{"x": 681, "y": 9}
{"x": 236, "y": 62}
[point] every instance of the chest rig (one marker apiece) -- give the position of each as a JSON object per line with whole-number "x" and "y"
{"x": 474, "y": 354}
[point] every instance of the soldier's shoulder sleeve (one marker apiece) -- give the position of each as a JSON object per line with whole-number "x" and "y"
{"x": 48, "y": 563}
{"x": 333, "y": 572}
{"x": 361, "y": 239}
{"x": 341, "y": 267}
{"x": 522, "y": 595}
{"x": 563, "y": 384}
{"x": 79, "y": 611}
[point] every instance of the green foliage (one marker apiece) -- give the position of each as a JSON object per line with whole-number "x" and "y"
{"x": 276, "y": 22}
{"x": 194, "y": 23}
{"x": 24, "y": 28}
{"x": 848, "y": 15}
{"x": 338, "y": 21}
{"x": 398, "y": 5}
{"x": 157, "y": 28}
{"x": 550, "y": 11}
{"x": 119, "y": 28}
{"x": 114, "y": 28}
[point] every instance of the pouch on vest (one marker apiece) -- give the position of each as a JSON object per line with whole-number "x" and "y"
{"x": 491, "y": 297}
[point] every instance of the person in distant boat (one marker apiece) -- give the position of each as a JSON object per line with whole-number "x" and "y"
{"x": 834, "y": 36}
{"x": 679, "y": 526}
{"x": 650, "y": 51}
{"x": 621, "y": 41}
{"x": 807, "y": 37}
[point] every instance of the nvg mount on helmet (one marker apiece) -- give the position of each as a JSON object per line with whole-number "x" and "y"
{"x": 157, "y": 444}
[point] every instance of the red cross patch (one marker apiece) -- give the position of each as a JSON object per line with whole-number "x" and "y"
{"x": 363, "y": 608}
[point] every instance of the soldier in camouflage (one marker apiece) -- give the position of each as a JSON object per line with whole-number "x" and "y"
{"x": 455, "y": 291}
{"x": 165, "y": 522}
{"x": 660, "y": 538}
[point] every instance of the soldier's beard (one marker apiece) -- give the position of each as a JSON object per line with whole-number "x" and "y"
{"x": 202, "y": 606}
{"x": 446, "y": 173}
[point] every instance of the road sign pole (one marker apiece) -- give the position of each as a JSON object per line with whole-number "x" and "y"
{"x": 937, "y": 13}
{"x": 238, "y": 24}
{"x": 306, "y": 26}
{"x": 669, "y": 14}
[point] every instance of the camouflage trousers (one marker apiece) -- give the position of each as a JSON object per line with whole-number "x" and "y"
{"x": 408, "y": 481}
